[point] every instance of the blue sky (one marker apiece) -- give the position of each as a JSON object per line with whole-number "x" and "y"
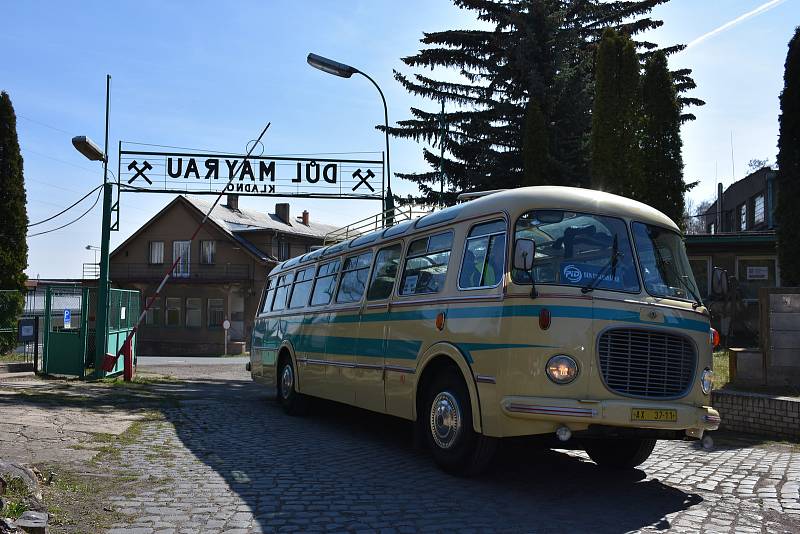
{"x": 209, "y": 75}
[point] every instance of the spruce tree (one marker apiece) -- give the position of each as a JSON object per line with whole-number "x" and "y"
{"x": 789, "y": 168}
{"x": 662, "y": 183}
{"x": 519, "y": 113}
{"x": 13, "y": 223}
{"x": 616, "y": 158}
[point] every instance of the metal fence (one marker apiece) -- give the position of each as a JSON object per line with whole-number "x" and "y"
{"x": 33, "y": 305}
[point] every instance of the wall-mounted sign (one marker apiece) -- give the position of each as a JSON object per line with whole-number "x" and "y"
{"x": 275, "y": 176}
{"x": 757, "y": 273}
{"x": 67, "y": 319}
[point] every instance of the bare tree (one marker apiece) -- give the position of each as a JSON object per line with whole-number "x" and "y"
{"x": 693, "y": 219}
{"x": 756, "y": 164}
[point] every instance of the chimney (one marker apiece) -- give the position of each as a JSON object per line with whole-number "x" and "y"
{"x": 282, "y": 211}
{"x": 305, "y": 217}
{"x": 719, "y": 208}
{"x": 233, "y": 202}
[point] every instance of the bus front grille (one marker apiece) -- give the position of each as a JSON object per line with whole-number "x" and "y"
{"x": 646, "y": 363}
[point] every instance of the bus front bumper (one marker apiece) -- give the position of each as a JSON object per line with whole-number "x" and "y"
{"x": 630, "y": 413}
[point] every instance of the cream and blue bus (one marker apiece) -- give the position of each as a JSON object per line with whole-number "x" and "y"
{"x": 534, "y": 311}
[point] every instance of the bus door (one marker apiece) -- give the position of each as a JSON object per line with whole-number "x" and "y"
{"x": 373, "y": 331}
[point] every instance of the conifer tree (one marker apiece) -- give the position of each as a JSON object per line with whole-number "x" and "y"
{"x": 662, "y": 183}
{"x": 616, "y": 158}
{"x": 13, "y": 222}
{"x": 519, "y": 113}
{"x": 789, "y": 168}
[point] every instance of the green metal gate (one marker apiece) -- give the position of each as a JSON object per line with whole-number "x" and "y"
{"x": 123, "y": 313}
{"x": 65, "y": 318}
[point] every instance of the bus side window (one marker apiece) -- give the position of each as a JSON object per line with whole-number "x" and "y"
{"x": 282, "y": 291}
{"x": 426, "y": 265}
{"x": 484, "y": 256}
{"x": 325, "y": 283}
{"x": 354, "y": 277}
{"x": 302, "y": 288}
{"x": 270, "y": 293}
{"x": 386, "y": 262}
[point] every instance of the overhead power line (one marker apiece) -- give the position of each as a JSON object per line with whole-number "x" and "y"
{"x": 81, "y": 216}
{"x": 67, "y": 208}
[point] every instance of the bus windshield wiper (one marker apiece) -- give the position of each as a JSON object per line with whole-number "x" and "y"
{"x": 612, "y": 264}
{"x": 697, "y": 302}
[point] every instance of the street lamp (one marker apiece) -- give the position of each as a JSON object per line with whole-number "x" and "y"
{"x": 345, "y": 71}
{"x": 92, "y": 152}
{"x": 95, "y": 249}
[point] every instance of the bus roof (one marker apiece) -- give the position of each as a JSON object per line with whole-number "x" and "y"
{"x": 515, "y": 201}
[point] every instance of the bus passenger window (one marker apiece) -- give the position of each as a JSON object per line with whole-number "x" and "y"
{"x": 302, "y": 288}
{"x": 326, "y": 282}
{"x": 426, "y": 264}
{"x": 386, "y": 262}
{"x": 354, "y": 277}
{"x": 270, "y": 293}
{"x": 484, "y": 256}
{"x": 282, "y": 291}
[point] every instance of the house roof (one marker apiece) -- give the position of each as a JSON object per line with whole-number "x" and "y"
{"x": 238, "y": 223}
{"x": 241, "y": 221}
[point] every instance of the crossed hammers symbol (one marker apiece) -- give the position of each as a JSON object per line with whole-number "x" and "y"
{"x": 134, "y": 166}
{"x": 363, "y": 179}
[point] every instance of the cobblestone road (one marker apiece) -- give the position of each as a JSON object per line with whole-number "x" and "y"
{"x": 229, "y": 460}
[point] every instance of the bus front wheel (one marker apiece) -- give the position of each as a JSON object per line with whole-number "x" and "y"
{"x": 447, "y": 422}
{"x": 619, "y": 453}
{"x": 291, "y": 401}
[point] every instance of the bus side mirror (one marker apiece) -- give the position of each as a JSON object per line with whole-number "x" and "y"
{"x": 719, "y": 281}
{"x": 524, "y": 251}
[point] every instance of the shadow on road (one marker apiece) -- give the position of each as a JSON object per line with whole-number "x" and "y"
{"x": 355, "y": 469}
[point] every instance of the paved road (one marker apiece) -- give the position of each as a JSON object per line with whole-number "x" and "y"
{"x": 231, "y": 461}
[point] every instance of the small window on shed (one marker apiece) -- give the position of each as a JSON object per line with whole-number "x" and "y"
{"x": 484, "y": 256}
{"x": 426, "y": 264}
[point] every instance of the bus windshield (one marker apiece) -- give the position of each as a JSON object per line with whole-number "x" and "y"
{"x": 575, "y": 249}
{"x": 665, "y": 267}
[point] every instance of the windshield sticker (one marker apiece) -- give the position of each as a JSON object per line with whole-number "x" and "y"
{"x": 410, "y": 285}
{"x": 583, "y": 274}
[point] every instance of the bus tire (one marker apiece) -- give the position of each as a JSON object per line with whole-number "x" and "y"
{"x": 293, "y": 403}
{"x": 619, "y": 453}
{"x": 447, "y": 424}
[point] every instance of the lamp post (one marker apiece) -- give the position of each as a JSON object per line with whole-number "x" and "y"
{"x": 88, "y": 148}
{"x": 345, "y": 71}
{"x": 95, "y": 249}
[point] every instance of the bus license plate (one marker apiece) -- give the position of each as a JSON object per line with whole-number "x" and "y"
{"x": 643, "y": 414}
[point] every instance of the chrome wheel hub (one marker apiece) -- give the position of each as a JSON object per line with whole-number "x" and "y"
{"x": 287, "y": 381}
{"x": 445, "y": 419}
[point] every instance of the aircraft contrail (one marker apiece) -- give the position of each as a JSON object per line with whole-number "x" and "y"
{"x": 766, "y": 6}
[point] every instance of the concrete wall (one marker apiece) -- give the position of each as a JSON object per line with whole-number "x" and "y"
{"x": 775, "y": 418}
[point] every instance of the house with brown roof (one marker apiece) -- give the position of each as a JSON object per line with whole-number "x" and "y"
{"x": 220, "y": 276}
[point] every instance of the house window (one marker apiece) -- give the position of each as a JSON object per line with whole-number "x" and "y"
{"x": 173, "y": 316}
{"x": 193, "y": 312}
{"x": 216, "y": 312}
{"x": 153, "y": 315}
{"x": 743, "y": 216}
{"x": 758, "y": 209}
{"x": 156, "y": 256}
{"x": 712, "y": 228}
{"x": 208, "y": 250}
{"x": 283, "y": 250}
{"x": 180, "y": 249}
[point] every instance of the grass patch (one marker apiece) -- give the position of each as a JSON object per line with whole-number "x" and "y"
{"x": 721, "y": 368}
{"x": 14, "y": 357}
{"x": 14, "y": 509}
{"x": 15, "y": 494}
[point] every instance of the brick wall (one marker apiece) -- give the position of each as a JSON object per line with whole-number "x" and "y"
{"x": 772, "y": 417}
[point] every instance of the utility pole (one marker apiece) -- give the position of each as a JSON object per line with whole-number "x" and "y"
{"x": 101, "y": 324}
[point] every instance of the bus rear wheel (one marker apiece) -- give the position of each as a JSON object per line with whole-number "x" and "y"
{"x": 447, "y": 422}
{"x": 619, "y": 453}
{"x": 291, "y": 401}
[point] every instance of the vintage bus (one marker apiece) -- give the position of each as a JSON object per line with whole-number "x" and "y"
{"x": 534, "y": 311}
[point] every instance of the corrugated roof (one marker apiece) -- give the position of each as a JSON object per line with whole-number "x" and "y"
{"x": 244, "y": 220}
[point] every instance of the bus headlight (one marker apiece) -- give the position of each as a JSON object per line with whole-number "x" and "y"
{"x": 706, "y": 380}
{"x": 561, "y": 369}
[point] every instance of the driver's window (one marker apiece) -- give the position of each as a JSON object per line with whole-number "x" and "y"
{"x": 426, "y": 264}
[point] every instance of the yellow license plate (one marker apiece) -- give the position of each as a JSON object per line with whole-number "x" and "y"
{"x": 646, "y": 414}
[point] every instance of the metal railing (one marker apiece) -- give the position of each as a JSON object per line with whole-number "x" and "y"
{"x": 374, "y": 223}
{"x": 91, "y": 271}
{"x": 146, "y": 271}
